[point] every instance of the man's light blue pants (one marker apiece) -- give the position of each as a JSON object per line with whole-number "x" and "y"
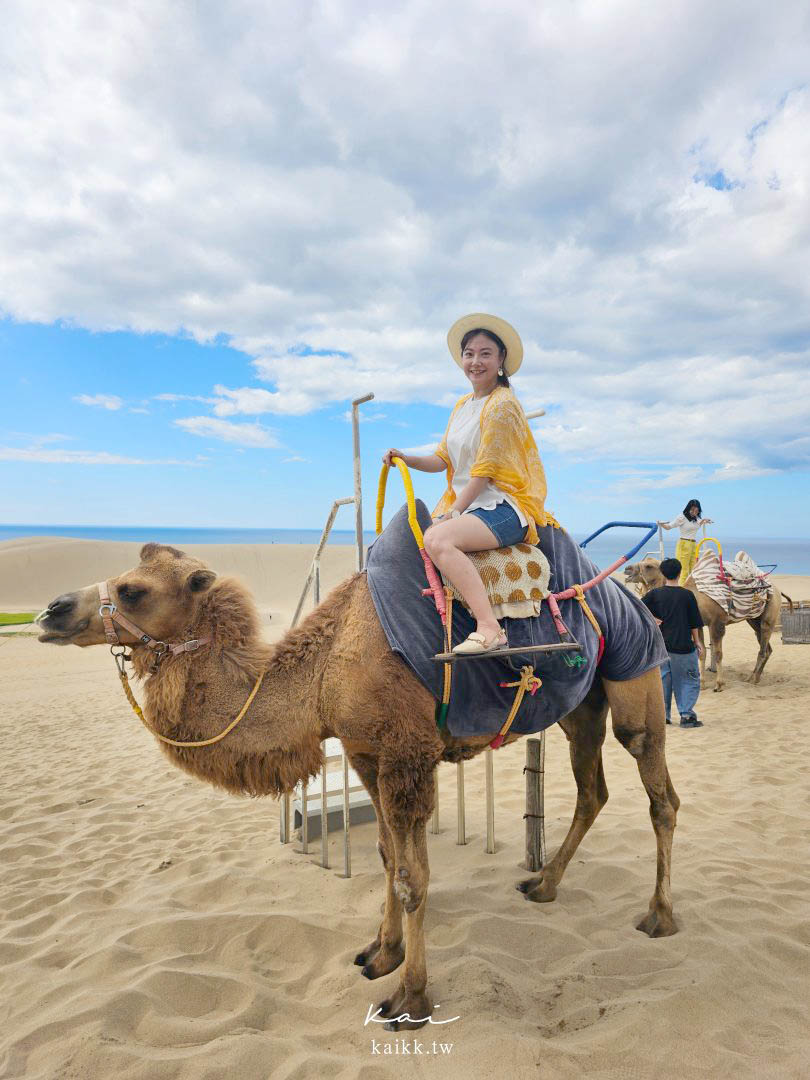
{"x": 681, "y": 676}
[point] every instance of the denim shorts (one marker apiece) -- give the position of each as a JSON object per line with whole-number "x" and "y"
{"x": 503, "y": 523}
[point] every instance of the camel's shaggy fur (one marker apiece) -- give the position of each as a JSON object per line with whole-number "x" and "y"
{"x": 647, "y": 575}
{"x": 336, "y": 676}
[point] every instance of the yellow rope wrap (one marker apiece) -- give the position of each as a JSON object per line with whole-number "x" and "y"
{"x": 710, "y": 540}
{"x": 588, "y": 613}
{"x": 406, "y": 480}
{"x": 528, "y": 681}
{"x": 448, "y": 637}
{"x": 173, "y": 742}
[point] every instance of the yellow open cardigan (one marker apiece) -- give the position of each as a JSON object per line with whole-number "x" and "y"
{"x": 508, "y": 456}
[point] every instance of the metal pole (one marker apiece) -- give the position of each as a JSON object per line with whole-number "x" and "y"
{"x": 316, "y": 584}
{"x": 316, "y": 559}
{"x": 324, "y": 820}
{"x": 304, "y": 819}
{"x": 434, "y": 825}
{"x": 358, "y": 494}
{"x": 461, "y": 837}
{"x": 347, "y": 849}
{"x": 490, "y": 786}
{"x": 534, "y": 807}
{"x": 284, "y": 819}
{"x": 661, "y": 543}
{"x": 541, "y": 783}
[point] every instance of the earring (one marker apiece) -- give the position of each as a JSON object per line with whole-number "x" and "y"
{"x": 500, "y": 371}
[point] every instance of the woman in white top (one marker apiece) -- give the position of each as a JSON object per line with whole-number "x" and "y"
{"x": 496, "y": 484}
{"x": 688, "y": 523}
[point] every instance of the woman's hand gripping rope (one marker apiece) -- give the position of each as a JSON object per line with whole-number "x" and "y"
{"x": 436, "y": 589}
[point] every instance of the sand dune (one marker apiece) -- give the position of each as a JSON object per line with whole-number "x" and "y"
{"x": 154, "y": 928}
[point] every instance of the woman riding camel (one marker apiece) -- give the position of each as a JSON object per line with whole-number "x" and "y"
{"x": 496, "y": 486}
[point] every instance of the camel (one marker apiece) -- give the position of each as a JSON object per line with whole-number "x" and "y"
{"x": 648, "y": 575}
{"x": 334, "y": 675}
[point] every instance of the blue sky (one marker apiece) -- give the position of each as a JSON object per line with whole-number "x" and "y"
{"x": 217, "y": 227}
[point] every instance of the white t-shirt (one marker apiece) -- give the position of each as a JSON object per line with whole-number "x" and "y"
{"x": 463, "y": 440}
{"x": 688, "y": 528}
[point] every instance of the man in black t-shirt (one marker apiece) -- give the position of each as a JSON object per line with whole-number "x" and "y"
{"x": 676, "y": 612}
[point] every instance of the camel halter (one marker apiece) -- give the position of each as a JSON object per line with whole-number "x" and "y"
{"x": 109, "y": 616}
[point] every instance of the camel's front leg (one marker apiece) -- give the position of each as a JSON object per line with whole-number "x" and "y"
{"x": 702, "y": 660}
{"x": 406, "y": 794}
{"x": 585, "y": 730}
{"x": 410, "y": 1007}
{"x": 386, "y": 952}
{"x": 717, "y": 632}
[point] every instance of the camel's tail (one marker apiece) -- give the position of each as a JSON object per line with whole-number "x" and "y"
{"x": 790, "y": 602}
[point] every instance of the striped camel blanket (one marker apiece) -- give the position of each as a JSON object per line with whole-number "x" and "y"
{"x": 742, "y": 592}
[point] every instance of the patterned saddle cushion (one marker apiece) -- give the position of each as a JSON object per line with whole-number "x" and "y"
{"x": 742, "y": 593}
{"x": 516, "y": 579}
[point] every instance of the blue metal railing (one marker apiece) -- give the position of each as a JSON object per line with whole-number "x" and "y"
{"x": 652, "y": 526}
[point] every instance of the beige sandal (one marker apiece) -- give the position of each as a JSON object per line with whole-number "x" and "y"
{"x": 477, "y": 643}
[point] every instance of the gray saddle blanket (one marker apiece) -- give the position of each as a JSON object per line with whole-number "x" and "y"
{"x": 478, "y": 704}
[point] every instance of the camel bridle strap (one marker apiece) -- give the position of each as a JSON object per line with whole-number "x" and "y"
{"x": 110, "y": 615}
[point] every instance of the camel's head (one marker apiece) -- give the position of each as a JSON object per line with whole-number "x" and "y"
{"x": 645, "y": 573}
{"x": 159, "y": 596}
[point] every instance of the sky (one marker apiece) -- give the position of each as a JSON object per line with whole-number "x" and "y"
{"x": 220, "y": 223}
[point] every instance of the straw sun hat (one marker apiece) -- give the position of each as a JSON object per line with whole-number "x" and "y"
{"x": 479, "y": 321}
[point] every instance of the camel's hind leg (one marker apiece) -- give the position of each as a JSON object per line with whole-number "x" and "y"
{"x": 635, "y": 705}
{"x": 763, "y": 629}
{"x": 585, "y": 731}
{"x": 386, "y": 952}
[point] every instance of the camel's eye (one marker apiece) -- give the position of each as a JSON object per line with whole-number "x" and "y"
{"x": 131, "y": 594}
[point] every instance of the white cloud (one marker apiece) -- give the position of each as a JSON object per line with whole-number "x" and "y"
{"x": 174, "y": 398}
{"x": 101, "y": 401}
{"x": 332, "y": 186}
{"x": 240, "y": 434}
{"x": 78, "y": 457}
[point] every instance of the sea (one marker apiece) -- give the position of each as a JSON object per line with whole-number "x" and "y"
{"x": 786, "y": 556}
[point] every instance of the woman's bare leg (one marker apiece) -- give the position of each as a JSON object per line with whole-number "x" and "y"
{"x": 445, "y": 543}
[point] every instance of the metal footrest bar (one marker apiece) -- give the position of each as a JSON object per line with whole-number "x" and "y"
{"x": 451, "y": 657}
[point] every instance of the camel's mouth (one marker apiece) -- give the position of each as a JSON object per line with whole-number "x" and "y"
{"x": 61, "y": 637}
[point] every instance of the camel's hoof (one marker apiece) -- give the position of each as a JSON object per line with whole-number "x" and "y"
{"x": 378, "y": 960}
{"x": 407, "y": 1012}
{"x": 657, "y": 924}
{"x": 538, "y": 890}
{"x": 528, "y": 884}
{"x": 717, "y": 689}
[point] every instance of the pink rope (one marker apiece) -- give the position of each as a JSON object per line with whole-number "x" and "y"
{"x": 569, "y": 594}
{"x": 435, "y": 586}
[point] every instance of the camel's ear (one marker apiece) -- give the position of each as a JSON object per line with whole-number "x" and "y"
{"x": 150, "y": 551}
{"x": 200, "y": 580}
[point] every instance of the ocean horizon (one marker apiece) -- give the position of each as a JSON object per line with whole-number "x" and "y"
{"x": 791, "y": 556}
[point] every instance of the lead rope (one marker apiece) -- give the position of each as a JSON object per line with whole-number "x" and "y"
{"x": 122, "y": 675}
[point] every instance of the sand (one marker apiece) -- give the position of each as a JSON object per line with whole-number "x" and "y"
{"x": 153, "y": 927}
